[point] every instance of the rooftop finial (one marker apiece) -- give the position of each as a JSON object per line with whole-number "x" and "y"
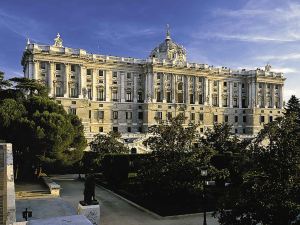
{"x": 168, "y": 36}
{"x": 28, "y": 41}
{"x": 58, "y": 41}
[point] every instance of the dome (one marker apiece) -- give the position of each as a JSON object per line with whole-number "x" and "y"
{"x": 169, "y": 50}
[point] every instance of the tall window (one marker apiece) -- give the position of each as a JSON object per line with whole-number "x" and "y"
{"x": 140, "y": 96}
{"x": 215, "y": 100}
{"x": 73, "y": 68}
{"x": 115, "y": 96}
{"x": 115, "y": 115}
{"x": 140, "y": 115}
{"x": 58, "y": 66}
{"x": 192, "y": 99}
{"x": 101, "y": 73}
{"x": 225, "y": 100}
{"x": 180, "y": 98}
{"x": 59, "y": 91}
{"x": 100, "y": 115}
{"x": 100, "y": 94}
{"x": 115, "y": 74}
{"x": 72, "y": 111}
{"x": 43, "y": 65}
{"x": 180, "y": 87}
{"x": 192, "y": 116}
{"x": 128, "y": 115}
{"x": 89, "y": 72}
{"x": 128, "y": 75}
{"x": 73, "y": 93}
{"x": 235, "y": 102}
{"x": 158, "y": 96}
{"x": 89, "y": 93}
{"x": 128, "y": 97}
{"x": 169, "y": 100}
{"x": 169, "y": 115}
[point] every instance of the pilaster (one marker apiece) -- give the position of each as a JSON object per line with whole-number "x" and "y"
{"x": 51, "y": 78}
{"x": 82, "y": 80}
{"x": 240, "y": 95}
{"x": 230, "y": 94}
{"x": 122, "y": 86}
{"x": 66, "y": 80}
{"x": 107, "y": 79}
{"x": 94, "y": 83}
{"x": 220, "y": 93}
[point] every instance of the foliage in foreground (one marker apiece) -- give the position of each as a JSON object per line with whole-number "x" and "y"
{"x": 40, "y": 130}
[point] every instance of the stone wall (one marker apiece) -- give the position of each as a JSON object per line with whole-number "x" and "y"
{"x": 7, "y": 186}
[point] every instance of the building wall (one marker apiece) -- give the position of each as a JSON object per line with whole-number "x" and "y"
{"x": 130, "y": 95}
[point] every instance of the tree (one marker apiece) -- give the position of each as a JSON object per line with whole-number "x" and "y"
{"x": 172, "y": 169}
{"x": 40, "y": 130}
{"x": 293, "y": 107}
{"x": 108, "y": 144}
{"x": 270, "y": 192}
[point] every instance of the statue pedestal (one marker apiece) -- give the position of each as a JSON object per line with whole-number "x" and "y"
{"x": 91, "y": 212}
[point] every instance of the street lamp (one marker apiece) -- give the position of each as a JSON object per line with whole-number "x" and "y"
{"x": 204, "y": 175}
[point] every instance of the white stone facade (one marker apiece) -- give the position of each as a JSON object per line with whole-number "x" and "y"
{"x": 129, "y": 95}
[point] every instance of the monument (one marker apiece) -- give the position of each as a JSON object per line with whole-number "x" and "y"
{"x": 90, "y": 207}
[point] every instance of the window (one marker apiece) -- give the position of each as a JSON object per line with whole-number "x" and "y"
{"x": 129, "y": 129}
{"x": 244, "y": 131}
{"x": 225, "y": 102}
{"x": 140, "y": 115}
{"x": 58, "y": 101}
{"x": 73, "y": 111}
{"x": 140, "y": 96}
{"x": 100, "y": 115}
{"x": 180, "y": 87}
{"x": 260, "y": 85}
{"x": 128, "y": 115}
{"x": 262, "y": 119}
{"x": 43, "y": 65}
{"x": 169, "y": 100}
{"x": 270, "y": 119}
{"x": 192, "y": 117}
{"x": 73, "y": 102}
{"x": 225, "y": 84}
{"x": 215, "y": 101}
{"x": 235, "y": 102}
{"x": 115, "y": 129}
{"x": 58, "y": 66}
{"x": 115, "y": 74}
{"x": 244, "y": 119}
{"x": 192, "y": 99}
{"x": 89, "y": 72}
{"x": 89, "y": 93}
{"x": 158, "y": 96}
{"x": 158, "y": 76}
{"x": 180, "y": 98}
{"x": 128, "y": 97}
{"x": 158, "y": 115}
{"x": 59, "y": 91}
{"x": 169, "y": 115}
{"x": 234, "y": 84}
{"x": 115, "y": 96}
{"x": 201, "y": 116}
{"x": 226, "y": 118}
{"x": 115, "y": 115}
{"x": 215, "y": 83}
{"x": 128, "y": 75}
{"x": 201, "y": 129}
{"x": 200, "y": 99}
{"x": 73, "y": 92}
{"x": 140, "y": 129}
{"x": 243, "y": 85}
{"x": 100, "y": 94}
{"x": 100, "y": 129}
{"x": 73, "y": 68}
{"x": 90, "y": 114}
{"x": 236, "y": 131}
{"x": 243, "y": 103}
{"x": 236, "y": 119}
{"x": 215, "y": 118}
{"x": 101, "y": 73}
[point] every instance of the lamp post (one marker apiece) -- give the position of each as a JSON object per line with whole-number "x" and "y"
{"x": 204, "y": 175}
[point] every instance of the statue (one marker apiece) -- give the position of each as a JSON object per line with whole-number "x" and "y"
{"x": 89, "y": 191}
{"x": 58, "y": 41}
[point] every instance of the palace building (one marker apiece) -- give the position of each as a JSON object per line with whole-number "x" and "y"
{"x": 129, "y": 95}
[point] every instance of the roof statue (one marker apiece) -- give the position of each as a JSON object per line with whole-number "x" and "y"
{"x": 28, "y": 41}
{"x": 58, "y": 41}
{"x": 268, "y": 67}
{"x": 169, "y": 50}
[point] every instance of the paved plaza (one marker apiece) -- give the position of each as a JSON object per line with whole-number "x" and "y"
{"x": 114, "y": 210}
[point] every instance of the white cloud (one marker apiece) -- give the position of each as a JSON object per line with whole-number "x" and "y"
{"x": 289, "y": 92}
{"x": 283, "y": 57}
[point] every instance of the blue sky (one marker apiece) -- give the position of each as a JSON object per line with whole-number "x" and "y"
{"x": 234, "y": 33}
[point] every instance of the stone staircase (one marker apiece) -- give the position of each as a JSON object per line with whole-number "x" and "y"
{"x": 1, "y": 187}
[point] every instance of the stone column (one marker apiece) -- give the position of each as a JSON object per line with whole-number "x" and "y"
{"x": 122, "y": 86}
{"x": 35, "y": 70}
{"x": 265, "y": 94}
{"x": 50, "y": 79}
{"x": 173, "y": 88}
{"x": 240, "y": 95}
{"x": 107, "y": 78}
{"x": 135, "y": 94}
{"x": 230, "y": 94}
{"x": 186, "y": 83}
{"x": 281, "y": 96}
{"x": 249, "y": 95}
{"x": 220, "y": 93}
{"x": 150, "y": 87}
{"x": 273, "y": 96}
{"x": 196, "y": 90}
{"x": 82, "y": 80}
{"x": 210, "y": 86}
{"x": 205, "y": 90}
{"x": 66, "y": 80}
{"x": 94, "y": 83}
{"x": 146, "y": 88}
{"x": 162, "y": 89}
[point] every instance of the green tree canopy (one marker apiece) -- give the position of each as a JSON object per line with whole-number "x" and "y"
{"x": 40, "y": 130}
{"x": 270, "y": 192}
